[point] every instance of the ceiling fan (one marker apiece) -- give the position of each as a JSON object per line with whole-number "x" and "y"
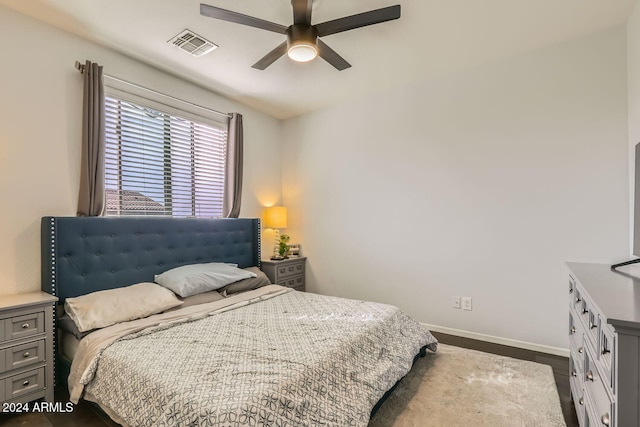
{"x": 303, "y": 39}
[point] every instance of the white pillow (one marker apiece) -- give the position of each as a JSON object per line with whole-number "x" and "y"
{"x": 194, "y": 279}
{"x": 104, "y": 308}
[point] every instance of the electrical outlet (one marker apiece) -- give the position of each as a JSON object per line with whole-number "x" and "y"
{"x": 466, "y": 303}
{"x": 455, "y": 302}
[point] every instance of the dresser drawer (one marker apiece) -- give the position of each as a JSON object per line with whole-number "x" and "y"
{"x": 606, "y": 356}
{"x": 593, "y": 319}
{"x": 596, "y": 416}
{"x": 24, "y": 355}
{"x": 572, "y": 290}
{"x": 596, "y": 391}
{"x": 576, "y": 299}
{"x": 25, "y": 383}
{"x": 1, "y": 330}
{"x": 576, "y": 331}
{"x": 24, "y": 326}
{"x": 289, "y": 270}
{"x": 577, "y": 358}
{"x": 576, "y": 382}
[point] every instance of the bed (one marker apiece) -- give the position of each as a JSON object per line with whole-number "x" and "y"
{"x": 263, "y": 356}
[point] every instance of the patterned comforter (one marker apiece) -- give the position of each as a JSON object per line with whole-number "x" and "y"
{"x": 283, "y": 358}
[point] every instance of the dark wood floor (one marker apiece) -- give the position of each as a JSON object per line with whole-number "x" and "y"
{"x": 86, "y": 415}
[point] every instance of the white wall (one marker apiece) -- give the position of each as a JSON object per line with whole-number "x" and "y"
{"x": 480, "y": 184}
{"x": 40, "y": 129}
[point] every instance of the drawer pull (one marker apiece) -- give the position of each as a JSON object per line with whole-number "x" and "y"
{"x": 590, "y": 376}
{"x": 573, "y": 330}
{"x": 574, "y": 373}
{"x": 25, "y": 325}
{"x": 581, "y": 350}
{"x": 25, "y": 383}
{"x": 570, "y": 290}
{"x": 26, "y": 354}
{"x": 605, "y": 419}
{"x": 581, "y": 401}
{"x": 578, "y": 299}
{"x": 592, "y": 326}
{"x": 585, "y": 311}
{"x": 605, "y": 351}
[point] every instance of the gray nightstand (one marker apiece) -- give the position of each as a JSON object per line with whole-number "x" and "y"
{"x": 26, "y": 347}
{"x": 288, "y": 272}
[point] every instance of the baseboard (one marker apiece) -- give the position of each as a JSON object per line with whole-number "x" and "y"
{"x": 564, "y": 352}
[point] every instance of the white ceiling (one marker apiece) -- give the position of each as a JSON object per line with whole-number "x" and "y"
{"x": 433, "y": 37}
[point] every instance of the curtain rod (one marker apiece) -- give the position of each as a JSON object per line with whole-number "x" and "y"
{"x": 80, "y": 67}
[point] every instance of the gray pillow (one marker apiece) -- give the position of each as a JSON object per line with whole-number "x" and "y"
{"x": 194, "y": 279}
{"x": 66, "y": 324}
{"x": 249, "y": 284}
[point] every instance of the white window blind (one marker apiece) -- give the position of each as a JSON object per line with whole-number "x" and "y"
{"x": 157, "y": 163}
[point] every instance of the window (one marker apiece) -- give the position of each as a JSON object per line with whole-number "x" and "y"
{"x": 160, "y": 163}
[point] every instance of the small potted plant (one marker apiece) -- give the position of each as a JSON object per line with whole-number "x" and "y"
{"x": 283, "y": 248}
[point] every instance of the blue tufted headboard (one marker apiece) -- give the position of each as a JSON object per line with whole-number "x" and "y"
{"x": 86, "y": 254}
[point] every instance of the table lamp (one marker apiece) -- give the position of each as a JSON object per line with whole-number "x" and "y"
{"x": 276, "y": 218}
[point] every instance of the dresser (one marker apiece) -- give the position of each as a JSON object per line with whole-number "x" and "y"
{"x": 26, "y": 347}
{"x": 287, "y": 272}
{"x": 604, "y": 344}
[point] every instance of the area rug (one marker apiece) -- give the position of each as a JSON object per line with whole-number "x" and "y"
{"x": 461, "y": 387}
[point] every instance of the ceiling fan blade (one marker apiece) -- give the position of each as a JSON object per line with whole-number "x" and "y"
{"x": 271, "y": 57}
{"x": 331, "y": 56}
{"x": 302, "y": 11}
{"x": 360, "y": 20}
{"x": 239, "y": 18}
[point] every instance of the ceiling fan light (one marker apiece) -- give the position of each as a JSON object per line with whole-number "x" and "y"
{"x": 302, "y": 52}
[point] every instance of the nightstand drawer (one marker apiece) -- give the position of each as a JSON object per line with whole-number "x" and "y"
{"x": 24, "y": 326}
{"x": 296, "y": 282}
{"x": 25, "y": 383}
{"x": 24, "y": 355}
{"x": 289, "y": 273}
{"x": 291, "y": 269}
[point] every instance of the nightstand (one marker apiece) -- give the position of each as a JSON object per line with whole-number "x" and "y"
{"x": 26, "y": 347}
{"x": 287, "y": 272}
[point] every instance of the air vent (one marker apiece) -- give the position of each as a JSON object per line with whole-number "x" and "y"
{"x": 192, "y": 43}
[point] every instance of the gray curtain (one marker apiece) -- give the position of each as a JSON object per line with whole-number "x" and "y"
{"x": 91, "y": 200}
{"x": 233, "y": 179}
